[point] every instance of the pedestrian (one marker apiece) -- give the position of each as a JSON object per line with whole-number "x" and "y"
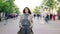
{"x": 47, "y": 18}
{"x": 50, "y": 16}
{"x": 54, "y": 17}
{"x": 38, "y": 16}
{"x": 34, "y": 15}
{"x": 26, "y": 22}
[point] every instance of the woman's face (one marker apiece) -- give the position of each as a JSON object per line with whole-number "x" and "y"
{"x": 26, "y": 10}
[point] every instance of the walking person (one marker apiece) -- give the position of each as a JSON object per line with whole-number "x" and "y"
{"x": 54, "y": 17}
{"x": 38, "y": 16}
{"x": 47, "y": 18}
{"x": 51, "y": 16}
{"x": 26, "y": 22}
{"x": 34, "y": 15}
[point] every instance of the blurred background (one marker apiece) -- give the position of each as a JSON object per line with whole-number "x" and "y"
{"x": 10, "y": 11}
{"x": 17, "y": 6}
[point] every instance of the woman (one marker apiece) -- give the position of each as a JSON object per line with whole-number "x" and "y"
{"x": 54, "y": 17}
{"x": 26, "y": 22}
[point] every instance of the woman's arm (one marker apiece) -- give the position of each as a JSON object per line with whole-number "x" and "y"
{"x": 31, "y": 19}
{"x": 20, "y": 21}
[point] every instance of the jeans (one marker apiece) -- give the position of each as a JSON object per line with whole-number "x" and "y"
{"x": 25, "y": 30}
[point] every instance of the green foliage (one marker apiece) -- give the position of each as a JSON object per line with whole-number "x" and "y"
{"x": 44, "y": 1}
{"x": 36, "y": 10}
{"x": 17, "y": 11}
{"x": 58, "y": 10}
{"x": 58, "y": 0}
{"x": 7, "y": 6}
{"x": 1, "y": 5}
{"x": 51, "y": 3}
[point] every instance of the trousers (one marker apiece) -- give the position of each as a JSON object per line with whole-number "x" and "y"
{"x": 25, "y": 30}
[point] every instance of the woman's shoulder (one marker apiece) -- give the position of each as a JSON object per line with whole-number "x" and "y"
{"x": 31, "y": 15}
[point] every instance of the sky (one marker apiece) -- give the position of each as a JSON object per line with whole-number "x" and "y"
{"x": 27, "y": 3}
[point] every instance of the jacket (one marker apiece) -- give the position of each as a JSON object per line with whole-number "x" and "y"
{"x": 29, "y": 18}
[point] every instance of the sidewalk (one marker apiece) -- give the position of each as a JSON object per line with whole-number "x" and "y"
{"x": 12, "y": 27}
{"x": 50, "y": 28}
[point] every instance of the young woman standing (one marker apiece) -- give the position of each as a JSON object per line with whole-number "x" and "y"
{"x": 26, "y": 21}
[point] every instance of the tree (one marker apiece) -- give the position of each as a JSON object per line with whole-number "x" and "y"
{"x": 44, "y": 2}
{"x": 51, "y": 3}
{"x": 36, "y": 10}
{"x": 58, "y": 0}
{"x": 17, "y": 11}
{"x": 58, "y": 10}
{"x": 11, "y": 5}
{"x": 1, "y": 5}
{"x": 7, "y": 6}
{"x": 58, "y": 13}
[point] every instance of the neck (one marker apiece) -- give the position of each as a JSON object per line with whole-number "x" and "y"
{"x": 26, "y": 13}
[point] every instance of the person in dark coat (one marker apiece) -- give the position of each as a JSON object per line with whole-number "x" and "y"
{"x": 50, "y": 16}
{"x": 47, "y": 18}
{"x": 38, "y": 16}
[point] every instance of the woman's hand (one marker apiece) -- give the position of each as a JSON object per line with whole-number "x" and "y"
{"x": 21, "y": 26}
{"x": 31, "y": 26}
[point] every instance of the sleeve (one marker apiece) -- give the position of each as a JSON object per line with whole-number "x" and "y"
{"x": 20, "y": 20}
{"x": 31, "y": 20}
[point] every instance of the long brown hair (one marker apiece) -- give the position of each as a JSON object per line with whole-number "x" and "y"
{"x": 28, "y": 10}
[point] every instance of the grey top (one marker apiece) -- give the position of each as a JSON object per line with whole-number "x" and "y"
{"x": 25, "y": 21}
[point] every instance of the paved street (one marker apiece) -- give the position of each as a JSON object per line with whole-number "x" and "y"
{"x": 11, "y": 26}
{"x": 44, "y": 28}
